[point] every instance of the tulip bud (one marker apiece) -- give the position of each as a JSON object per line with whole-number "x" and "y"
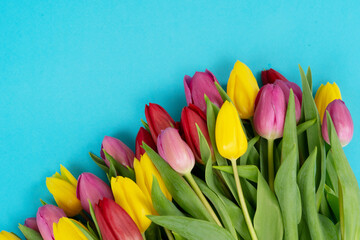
{"x": 92, "y": 188}
{"x": 63, "y": 188}
{"x": 342, "y": 120}
{"x": 325, "y": 95}
{"x": 114, "y": 222}
{"x": 229, "y": 134}
{"x": 285, "y": 87}
{"x": 118, "y": 150}
{"x": 65, "y": 229}
{"x": 158, "y": 119}
{"x": 31, "y": 223}
{"x": 143, "y": 136}
{"x": 136, "y": 203}
{"x": 4, "y": 235}
{"x": 190, "y": 117}
{"x": 270, "y": 76}
{"x": 242, "y": 89}
{"x": 270, "y": 110}
{"x": 46, "y": 216}
{"x": 145, "y": 171}
{"x": 175, "y": 151}
{"x": 202, "y": 83}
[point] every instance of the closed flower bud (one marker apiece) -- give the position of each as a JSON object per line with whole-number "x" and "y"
{"x": 202, "y": 83}
{"x": 92, "y": 188}
{"x": 31, "y": 223}
{"x": 4, "y": 235}
{"x": 285, "y": 87}
{"x": 143, "y": 136}
{"x": 45, "y": 218}
{"x": 270, "y": 76}
{"x": 114, "y": 222}
{"x": 342, "y": 120}
{"x": 145, "y": 170}
{"x": 270, "y": 111}
{"x": 242, "y": 88}
{"x": 63, "y": 188}
{"x": 118, "y": 150}
{"x": 133, "y": 200}
{"x": 190, "y": 117}
{"x": 325, "y": 95}
{"x": 65, "y": 229}
{"x": 158, "y": 119}
{"x": 175, "y": 151}
{"x": 229, "y": 134}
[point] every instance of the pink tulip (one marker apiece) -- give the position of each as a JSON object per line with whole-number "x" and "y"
{"x": 118, "y": 150}
{"x": 46, "y": 216}
{"x": 31, "y": 223}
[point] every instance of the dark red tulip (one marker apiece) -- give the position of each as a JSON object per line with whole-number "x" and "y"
{"x": 143, "y": 136}
{"x": 270, "y": 76}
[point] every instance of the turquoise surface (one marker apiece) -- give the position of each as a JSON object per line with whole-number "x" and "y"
{"x": 74, "y": 71}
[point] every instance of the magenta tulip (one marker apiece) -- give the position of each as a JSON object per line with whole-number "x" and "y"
{"x": 342, "y": 120}
{"x": 46, "y": 216}
{"x": 118, "y": 150}
{"x": 175, "y": 151}
{"x": 92, "y": 188}
{"x": 143, "y": 136}
{"x": 202, "y": 83}
{"x": 270, "y": 76}
{"x": 31, "y": 223}
{"x": 270, "y": 110}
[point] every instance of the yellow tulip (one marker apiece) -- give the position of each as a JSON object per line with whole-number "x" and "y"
{"x": 8, "y": 236}
{"x": 325, "y": 95}
{"x": 229, "y": 135}
{"x": 242, "y": 88}
{"x": 63, "y": 187}
{"x": 65, "y": 229}
{"x": 144, "y": 172}
{"x": 133, "y": 200}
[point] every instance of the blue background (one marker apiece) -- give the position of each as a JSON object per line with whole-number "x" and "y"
{"x": 71, "y": 73}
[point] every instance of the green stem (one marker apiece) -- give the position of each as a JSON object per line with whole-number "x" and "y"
{"x": 206, "y": 204}
{"x": 143, "y": 236}
{"x": 341, "y": 210}
{"x": 168, "y": 234}
{"x": 271, "y": 163}
{"x": 242, "y": 202}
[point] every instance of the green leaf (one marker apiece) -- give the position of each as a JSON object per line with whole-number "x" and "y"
{"x": 309, "y": 77}
{"x": 153, "y": 232}
{"x": 92, "y": 214}
{"x": 349, "y": 193}
{"x": 29, "y": 233}
{"x": 250, "y": 149}
{"x": 117, "y": 168}
{"x": 304, "y": 126}
{"x": 42, "y": 202}
{"x": 177, "y": 236}
{"x": 100, "y": 162}
{"x": 222, "y": 93}
{"x": 332, "y": 178}
{"x": 333, "y": 201}
{"x": 192, "y": 229}
{"x": 180, "y": 190}
{"x": 87, "y": 234}
{"x": 146, "y": 126}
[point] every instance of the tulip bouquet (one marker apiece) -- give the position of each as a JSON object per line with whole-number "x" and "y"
{"x": 246, "y": 163}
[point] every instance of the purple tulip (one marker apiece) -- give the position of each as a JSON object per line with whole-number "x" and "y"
{"x": 118, "y": 150}
{"x": 92, "y": 188}
{"x": 342, "y": 120}
{"x": 200, "y": 84}
{"x": 285, "y": 87}
{"x": 46, "y": 216}
{"x": 31, "y": 223}
{"x": 270, "y": 110}
{"x": 175, "y": 151}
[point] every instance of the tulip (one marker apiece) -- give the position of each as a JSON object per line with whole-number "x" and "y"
{"x": 175, "y": 151}
{"x": 65, "y": 229}
{"x": 114, "y": 222}
{"x": 202, "y": 83}
{"x": 133, "y": 200}
{"x": 270, "y": 110}
{"x": 118, "y": 150}
{"x": 145, "y": 170}
{"x": 158, "y": 119}
{"x": 325, "y": 95}
{"x": 342, "y": 120}
{"x": 270, "y": 76}
{"x": 242, "y": 88}
{"x": 92, "y": 188}
{"x": 143, "y": 136}
{"x": 46, "y": 216}
{"x": 190, "y": 117}
{"x": 8, "y": 236}
{"x": 63, "y": 187}
{"x": 285, "y": 87}
{"x": 31, "y": 223}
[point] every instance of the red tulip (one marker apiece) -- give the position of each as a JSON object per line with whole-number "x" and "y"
{"x": 270, "y": 76}
{"x": 158, "y": 119}
{"x": 114, "y": 222}
{"x": 143, "y": 136}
